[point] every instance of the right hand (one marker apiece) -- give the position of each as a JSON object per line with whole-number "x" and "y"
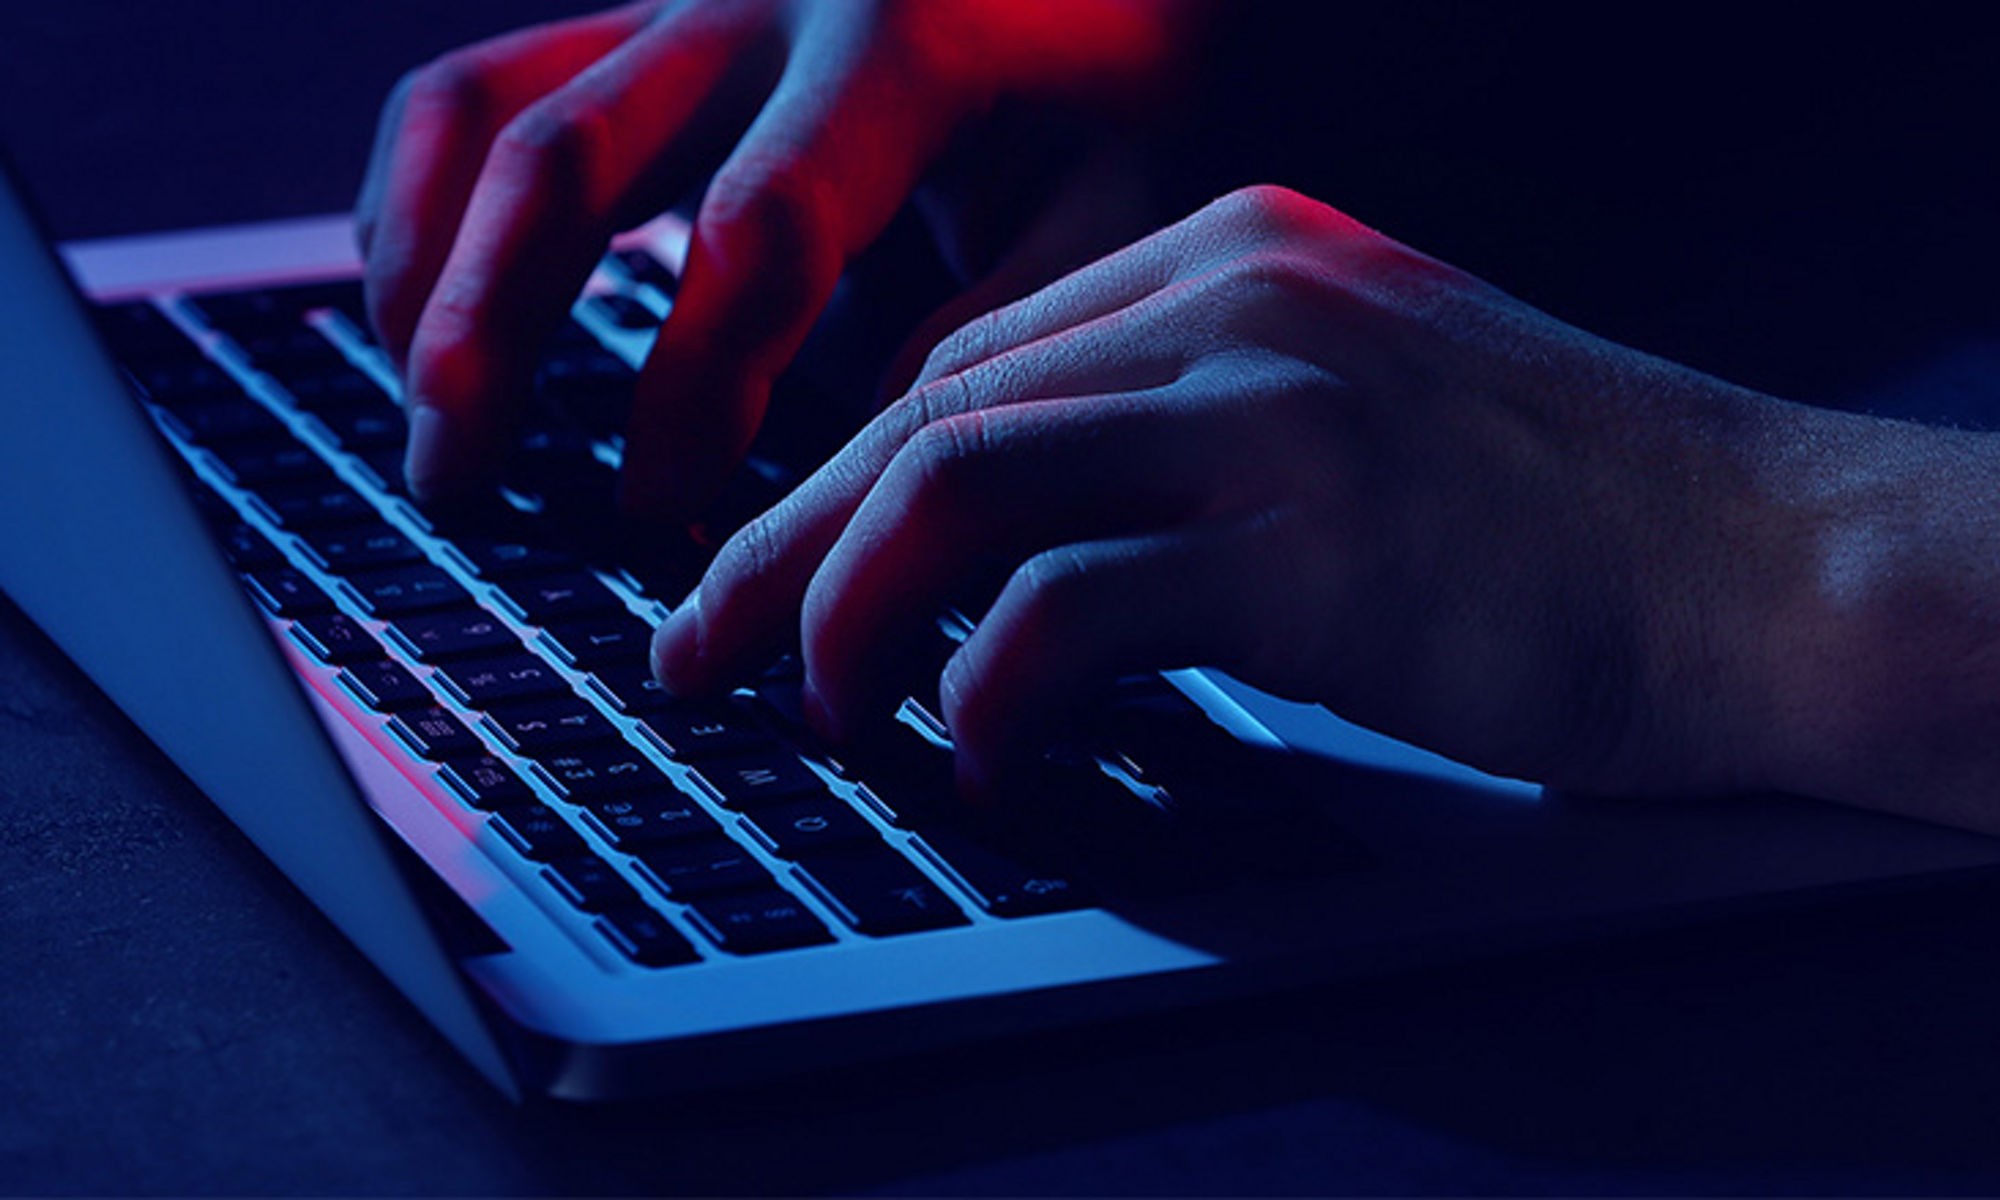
{"x": 501, "y": 170}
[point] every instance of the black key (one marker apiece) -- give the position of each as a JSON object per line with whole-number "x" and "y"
{"x": 646, "y": 938}
{"x": 758, "y": 922}
{"x": 336, "y": 639}
{"x": 436, "y": 734}
{"x": 557, "y": 723}
{"x": 225, "y": 419}
{"x": 343, "y": 549}
{"x": 913, "y": 781}
{"x": 697, "y": 730}
{"x": 386, "y": 687}
{"x": 244, "y": 547}
{"x": 315, "y": 504}
{"x": 1002, "y": 885}
{"x": 591, "y": 884}
{"x": 561, "y": 597}
{"x": 597, "y": 640}
{"x": 663, "y": 566}
{"x": 298, "y": 347}
{"x": 811, "y": 824}
{"x": 626, "y": 312}
{"x": 501, "y": 558}
{"x": 331, "y": 388}
{"x": 248, "y": 313}
{"x": 485, "y": 682}
{"x": 178, "y": 382}
{"x": 399, "y": 590}
{"x": 880, "y": 892}
{"x": 744, "y": 782}
{"x": 373, "y": 428}
{"x": 135, "y": 331}
{"x": 636, "y": 821}
{"x": 385, "y": 463}
{"x": 631, "y": 688}
{"x": 434, "y": 637}
{"x": 254, "y": 464}
{"x": 538, "y": 832}
{"x": 486, "y": 782}
{"x": 708, "y": 867}
{"x": 642, "y": 267}
{"x": 597, "y": 772}
{"x": 285, "y": 592}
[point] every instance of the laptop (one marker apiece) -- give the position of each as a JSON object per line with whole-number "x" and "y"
{"x": 442, "y": 731}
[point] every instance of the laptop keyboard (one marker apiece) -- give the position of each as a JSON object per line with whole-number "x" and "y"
{"x": 505, "y": 653}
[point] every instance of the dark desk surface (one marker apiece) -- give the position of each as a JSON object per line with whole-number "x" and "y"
{"x": 174, "y": 1019}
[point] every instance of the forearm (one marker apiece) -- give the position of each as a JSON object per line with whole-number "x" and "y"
{"x": 1882, "y": 650}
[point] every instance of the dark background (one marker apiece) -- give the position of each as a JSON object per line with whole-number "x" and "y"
{"x": 1803, "y": 207}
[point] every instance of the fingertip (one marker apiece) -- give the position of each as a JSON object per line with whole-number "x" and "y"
{"x": 677, "y": 648}
{"x": 433, "y": 463}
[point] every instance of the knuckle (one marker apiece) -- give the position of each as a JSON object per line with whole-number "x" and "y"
{"x": 965, "y": 345}
{"x": 1054, "y": 588}
{"x": 947, "y": 458}
{"x": 750, "y": 554}
{"x": 451, "y": 84}
{"x": 1261, "y": 207}
{"x": 548, "y": 146}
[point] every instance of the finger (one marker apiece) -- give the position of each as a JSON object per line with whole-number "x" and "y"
{"x": 816, "y": 177}
{"x": 1098, "y": 208}
{"x": 996, "y": 487}
{"x": 751, "y": 595}
{"x": 433, "y": 136}
{"x": 622, "y": 137}
{"x": 1074, "y": 619}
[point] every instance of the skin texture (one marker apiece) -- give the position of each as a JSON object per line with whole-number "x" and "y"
{"x": 1272, "y": 440}
{"x": 501, "y": 171}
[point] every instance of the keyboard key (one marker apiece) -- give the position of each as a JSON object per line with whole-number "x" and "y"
{"x": 911, "y": 780}
{"x": 184, "y": 381}
{"x": 299, "y": 346}
{"x": 758, "y": 922}
{"x": 225, "y": 419}
{"x": 591, "y": 884}
{"x": 486, "y": 782}
{"x": 136, "y": 331}
{"x": 880, "y": 892}
{"x": 707, "y": 867}
{"x": 649, "y": 820}
{"x": 597, "y": 640}
{"x": 385, "y": 464}
{"x": 336, "y": 639}
{"x": 244, "y": 547}
{"x": 343, "y": 549}
{"x": 251, "y": 312}
{"x": 399, "y": 590}
{"x": 587, "y": 773}
{"x": 538, "y": 832}
{"x": 545, "y": 599}
{"x": 623, "y": 311}
{"x": 386, "y": 687}
{"x": 646, "y": 937}
{"x": 455, "y": 633}
{"x": 285, "y": 592}
{"x": 1001, "y": 885}
{"x": 331, "y": 388}
{"x": 697, "y": 730}
{"x": 811, "y": 824}
{"x": 642, "y": 267}
{"x": 535, "y": 726}
{"x": 315, "y": 504}
{"x": 436, "y": 734}
{"x": 254, "y": 464}
{"x": 502, "y": 558}
{"x": 631, "y": 688}
{"x": 372, "y": 428}
{"x": 485, "y": 682}
{"x": 749, "y": 781}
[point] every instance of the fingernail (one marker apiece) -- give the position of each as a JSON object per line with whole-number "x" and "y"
{"x": 427, "y": 466}
{"x": 677, "y": 646}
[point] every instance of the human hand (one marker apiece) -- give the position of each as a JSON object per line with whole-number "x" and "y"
{"x": 501, "y": 170}
{"x": 1271, "y": 440}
